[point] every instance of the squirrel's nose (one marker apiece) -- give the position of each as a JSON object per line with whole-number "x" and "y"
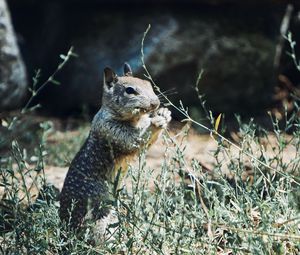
{"x": 155, "y": 104}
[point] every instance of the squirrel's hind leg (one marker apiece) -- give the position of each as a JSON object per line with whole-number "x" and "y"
{"x": 105, "y": 228}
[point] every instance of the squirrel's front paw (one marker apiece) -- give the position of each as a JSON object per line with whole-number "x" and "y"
{"x": 161, "y": 118}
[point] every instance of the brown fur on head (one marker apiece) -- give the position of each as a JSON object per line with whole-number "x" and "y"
{"x": 127, "y": 97}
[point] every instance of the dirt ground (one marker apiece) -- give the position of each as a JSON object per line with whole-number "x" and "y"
{"x": 194, "y": 146}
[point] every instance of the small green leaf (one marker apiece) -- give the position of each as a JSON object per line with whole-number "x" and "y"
{"x": 54, "y": 81}
{"x": 62, "y": 56}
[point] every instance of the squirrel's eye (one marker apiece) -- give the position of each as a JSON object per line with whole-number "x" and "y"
{"x": 130, "y": 90}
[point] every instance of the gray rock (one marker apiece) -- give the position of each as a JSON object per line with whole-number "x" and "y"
{"x": 238, "y": 69}
{"x": 234, "y": 45}
{"x": 238, "y": 72}
{"x": 13, "y": 83}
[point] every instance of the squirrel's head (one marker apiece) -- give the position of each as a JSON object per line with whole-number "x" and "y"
{"x": 126, "y": 96}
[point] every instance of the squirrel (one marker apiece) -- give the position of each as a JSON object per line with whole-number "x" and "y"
{"x": 128, "y": 121}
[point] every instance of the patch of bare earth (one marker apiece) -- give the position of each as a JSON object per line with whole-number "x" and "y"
{"x": 195, "y": 146}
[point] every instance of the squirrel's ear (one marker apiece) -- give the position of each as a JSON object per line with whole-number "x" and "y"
{"x": 127, "y": 69}
{"x": 109, "y": 76}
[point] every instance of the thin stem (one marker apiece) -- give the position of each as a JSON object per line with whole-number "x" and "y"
{"x": 50, "y": 79}
{"x": 292, "y": 54}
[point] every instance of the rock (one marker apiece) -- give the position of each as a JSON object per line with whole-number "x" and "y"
{"x": 13, "y": 84}
{"x": 238, "y": 74}
{"x": 234, "y": 46}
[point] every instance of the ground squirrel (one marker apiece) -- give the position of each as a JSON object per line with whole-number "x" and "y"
{"x": 129, "y": 119}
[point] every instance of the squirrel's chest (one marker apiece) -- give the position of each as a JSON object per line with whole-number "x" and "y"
{"x": 120, "y": 167}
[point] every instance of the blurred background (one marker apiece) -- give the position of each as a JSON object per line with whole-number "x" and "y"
{"x": 238, "y": 45}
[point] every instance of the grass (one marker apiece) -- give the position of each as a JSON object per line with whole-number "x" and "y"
{"x": 182, "y": 214}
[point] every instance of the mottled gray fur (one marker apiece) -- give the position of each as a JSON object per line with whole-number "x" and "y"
{"x": 128, "y": 120}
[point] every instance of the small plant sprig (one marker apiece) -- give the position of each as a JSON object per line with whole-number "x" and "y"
{"x": 35, "y": 91}
{"x": 292, "y": 53}
{"x": 14, "y": 128}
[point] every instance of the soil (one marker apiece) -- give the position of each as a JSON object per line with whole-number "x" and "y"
{"x": 195, "y": 147}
